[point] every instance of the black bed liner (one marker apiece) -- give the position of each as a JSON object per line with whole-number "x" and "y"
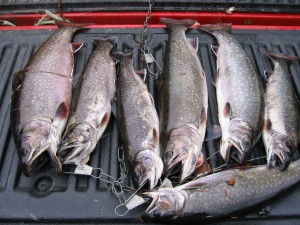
{"x": 47, "y": 197}
{"x": 34, "y": 6}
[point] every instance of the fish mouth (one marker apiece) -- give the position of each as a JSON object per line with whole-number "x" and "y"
{"x": 281, "y": 160}
{"x": 148, "y": 166}
{"x": 187, "y": 157}
{"x": 74, "y": 153}
{"x": 231, "y": 150}
{"x": 38, "y": 158}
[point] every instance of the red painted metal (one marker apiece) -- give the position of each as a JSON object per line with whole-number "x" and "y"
{"x": 135, "y": 19}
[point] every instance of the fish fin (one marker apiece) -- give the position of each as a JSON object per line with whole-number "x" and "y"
{"x": 126, "y": 55}
{"x": 155, "y": 137}
{"x": 213, "y": 27}
{"x": 216, "y": 77}
{"x": 17, "y": 79}
{"x": 114, "y": 108}
{"x": 281, "y": 57}
{"x": 141, "y": 73}
{"x": 194, "y": 42}
{"x": 192, "y": 185}
{"x": 171, "y": 22}
{"x": 267, "y": 125}
{"x": 61, "y": 24}
{"x": 109, "y": 38}
{"x": 152, "y": 99}
{"x": 76, "y": 46}
{"x": 105, "y": 119}
{"x": 213, "y": 132}
{"x": 203, "y": 117}
{"x": 214, "y": 49}
{"x": 227, "y": 110}
{"x": 267, "y": 74}
{"x": 62, "y": 110}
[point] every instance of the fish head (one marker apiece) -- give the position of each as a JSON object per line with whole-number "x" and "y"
{"x": 237, "y": 144}
{"x": 182, "y": 147}
{"x": 37, "y": 138}
{"x": 280, "y": 151}
{"x": 166, "y": 204}
{"x": 147, "y": 166}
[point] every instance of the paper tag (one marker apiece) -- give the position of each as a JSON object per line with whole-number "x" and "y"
{"x": 166, "y": 184}
{"x": 83, "y": 169}
{"x": 134, "y": 202}
{"x": 149, "y": 58}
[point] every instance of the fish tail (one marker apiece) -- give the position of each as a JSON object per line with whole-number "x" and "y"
{"x": 61, "y": 24}
{"x": 216, "y": 27}
{"x": 175, "y": 23}
{"x": 281, "y": 57}
{"x": 125, "y": 56}
{"x": 109, "y": 38}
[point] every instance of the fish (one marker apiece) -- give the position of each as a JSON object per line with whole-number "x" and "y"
{"x": 281, "y": 118}
{"x": 139, "y": 124}
{"x": 91, "y": 108}
{"x": 41, "y": 99}
{"x": 240, "y": 95}
{"x": 183, "y": 100}
{"x": 230, "y": 193}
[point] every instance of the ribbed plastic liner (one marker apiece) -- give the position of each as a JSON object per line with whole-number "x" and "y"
{"x": 48, "y": 197}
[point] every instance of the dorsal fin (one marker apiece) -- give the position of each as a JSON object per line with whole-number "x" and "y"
{"x": 194, "y": 42}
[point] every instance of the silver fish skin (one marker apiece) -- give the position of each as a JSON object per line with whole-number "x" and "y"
{"x": 239, "y": 95}
{"x": 91, "y": 108}
{"x": 214, "y": 196}
{"x": 139, "y": 125}
{"x": 281, "y": 120}
{"x": 183, "y": 100}
{"x": 41, "y": 99}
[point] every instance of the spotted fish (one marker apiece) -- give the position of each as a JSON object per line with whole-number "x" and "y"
{"x": 183, "y": 100}
{"x": 41, "y": 99}
{"x": 91, "y": 108}
{"x": 281, "y": 122}
{"x": 239, "y": 95}
{"x": 223, "y": 194}
{"x": 139, "y": 124}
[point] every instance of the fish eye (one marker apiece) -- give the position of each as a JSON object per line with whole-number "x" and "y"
{"x": 156, "y": 213}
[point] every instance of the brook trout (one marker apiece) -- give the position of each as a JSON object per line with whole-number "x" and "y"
{"x": 183, "y": 99}
{"x": 228, "y": 193}
{"x": 139, "y": 124}
{"x": 239, "y": 95}
{"x": 91, "y": 108}
{"x": 281, "y": 122}
{"x": 41, "y": 99}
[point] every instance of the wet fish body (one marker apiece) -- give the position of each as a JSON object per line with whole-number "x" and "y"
{"x": 214, "y": 196}
{"x": 183, "y": 99}
{"x": 281, "y": 121}
{"x": 91, "y": 108}
{"x": 239, "y": 95}
{"x": 139, "y": 125}
{"x": 41, "y": 99}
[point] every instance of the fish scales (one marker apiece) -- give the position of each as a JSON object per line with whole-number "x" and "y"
{"x": 91, "y": 108}
{"x": 281, "y": 128}
{"x": 41, "y": 99}
{"x": 213, "y": 197}
{"x": 239, "y": 95}
{"x": 183, "y": 99}
{"x": 139, "y": 124}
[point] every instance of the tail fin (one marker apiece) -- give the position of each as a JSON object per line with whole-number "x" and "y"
{"x": 281, "y": 57}
{"x": 171, "y": 22}
{"x": 110, "y": 38}
{"x": 61, "y": 24}
{"x": 214, "y": 27}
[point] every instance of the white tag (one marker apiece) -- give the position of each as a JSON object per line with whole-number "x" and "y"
{"x": 149, "y": 58}
{"x": 166, "y": 184}
{"x": 83, "y": 169}
{"x": 134, "y": 202}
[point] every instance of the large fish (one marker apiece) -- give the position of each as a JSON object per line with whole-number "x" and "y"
{"x": 139, "y": 124}
{"x": 183, "y": 99}
{"x": 91, "y": 107}
{"x": 41, "y": 99}
{"x": 281, "y": 122}
{"x": 228, "y": 193}
{"x": 239, "y": 95}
